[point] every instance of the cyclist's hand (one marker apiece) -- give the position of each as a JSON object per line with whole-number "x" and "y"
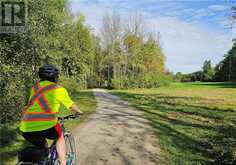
{"x": 76, "y": 109}
{"x": 78, "y": 113}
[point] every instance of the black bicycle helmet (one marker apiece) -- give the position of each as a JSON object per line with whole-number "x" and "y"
{"x": 48, "y": 72}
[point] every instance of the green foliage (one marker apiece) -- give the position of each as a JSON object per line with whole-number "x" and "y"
{"x": 140, "y": 66}
{"x": 14, "y": 92}
{"x": 226, "y": 69}
{"x": 195, "y": 76}
{"x": 71, "y": 84}
{"x": 99, "y": 66}
{"x": 206, "y": 74}
{"x": 52, "y": 36}
{"x": 149, "y": 81}
{"x": 208, "y": 71}
{"x": 178, "y": 76}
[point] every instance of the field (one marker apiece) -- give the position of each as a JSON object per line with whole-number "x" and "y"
{"x": 11, "y": 140}
{"x": 194, "y": 122}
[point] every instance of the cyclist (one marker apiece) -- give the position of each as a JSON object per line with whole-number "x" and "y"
{"x": 39, "y": 121}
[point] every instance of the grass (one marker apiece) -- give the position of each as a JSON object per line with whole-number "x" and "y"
{"x": 11, "y": 140}
{"x": 194, "y": 122}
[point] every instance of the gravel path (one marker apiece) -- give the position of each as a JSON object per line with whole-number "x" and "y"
{"x": 116, "y": 134}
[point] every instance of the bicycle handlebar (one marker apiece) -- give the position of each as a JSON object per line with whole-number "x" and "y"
{"x": 73, "y": 116}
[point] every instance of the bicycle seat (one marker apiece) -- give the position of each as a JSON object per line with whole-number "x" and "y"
{"x": 32, "y": 154}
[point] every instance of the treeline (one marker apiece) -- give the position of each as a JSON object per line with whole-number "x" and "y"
{"x": 130, "y": 57}
{"x": 123, "y": 57}
{"x": 225, "y": 70}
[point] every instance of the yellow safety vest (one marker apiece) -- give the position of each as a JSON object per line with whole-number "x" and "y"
{"x": 44, "y": 103}
{"x": 44, "y": 113}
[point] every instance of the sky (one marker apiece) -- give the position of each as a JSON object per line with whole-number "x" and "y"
{"x": 192, "y": 31}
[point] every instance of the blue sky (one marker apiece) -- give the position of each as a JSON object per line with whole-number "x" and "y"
{"x": 191, "y": 30}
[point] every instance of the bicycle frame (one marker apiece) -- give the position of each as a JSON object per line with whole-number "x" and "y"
{"x": 53, "y": 156}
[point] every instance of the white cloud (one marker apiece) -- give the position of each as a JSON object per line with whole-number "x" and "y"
{"x": 224, "y": 22}
{"x": 200, "y": 13}
{"x": 187, "y": 46}
{"x": 175, "y": 13}
{"x": 218, "y": 7}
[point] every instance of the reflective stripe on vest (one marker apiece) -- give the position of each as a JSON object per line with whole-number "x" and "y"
{"x": 45, "y": 114}
{"x": 42, "y": 101}
{"x": 35, "y": 117}
{"x": 39, "y": 92}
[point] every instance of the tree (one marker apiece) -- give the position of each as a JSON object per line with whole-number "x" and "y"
{"x": 226, "y": 69}
{"x": 136, "y": 25}
{"x": 208, "y": 71}
{"x": 111, "y": 38}
{"x": 23, "y": 53}
{"x": 178, "y": 76}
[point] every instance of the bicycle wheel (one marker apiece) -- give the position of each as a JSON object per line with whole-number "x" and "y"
{"x": 71, "y": 153}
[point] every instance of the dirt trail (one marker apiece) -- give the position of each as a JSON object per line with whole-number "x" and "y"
{"x": 116, "y": 135}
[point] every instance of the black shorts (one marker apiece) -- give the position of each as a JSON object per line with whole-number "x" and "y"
{"x": 38, "y": 138}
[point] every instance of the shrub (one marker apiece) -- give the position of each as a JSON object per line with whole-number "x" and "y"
{"x": 14, "y": 85}
{"x": 147, "y": 81}
{"x": 71, "y": 84}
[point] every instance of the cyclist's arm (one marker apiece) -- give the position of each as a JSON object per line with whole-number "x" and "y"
{"x": 64, "y": 98}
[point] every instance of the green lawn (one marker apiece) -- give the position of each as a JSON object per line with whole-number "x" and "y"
{"x": 194, "y": 122}
{"x": 11, "y": 140}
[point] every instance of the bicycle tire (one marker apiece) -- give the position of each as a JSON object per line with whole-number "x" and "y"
{"x": 71, "y": 152}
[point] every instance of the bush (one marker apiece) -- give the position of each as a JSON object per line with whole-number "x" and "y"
{"x": 14, "y": 87}
{"x": 148, "y": 81}
{"x": 71, "y": 84}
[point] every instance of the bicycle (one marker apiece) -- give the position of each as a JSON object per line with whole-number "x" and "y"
{"x": 38, "y": 155}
